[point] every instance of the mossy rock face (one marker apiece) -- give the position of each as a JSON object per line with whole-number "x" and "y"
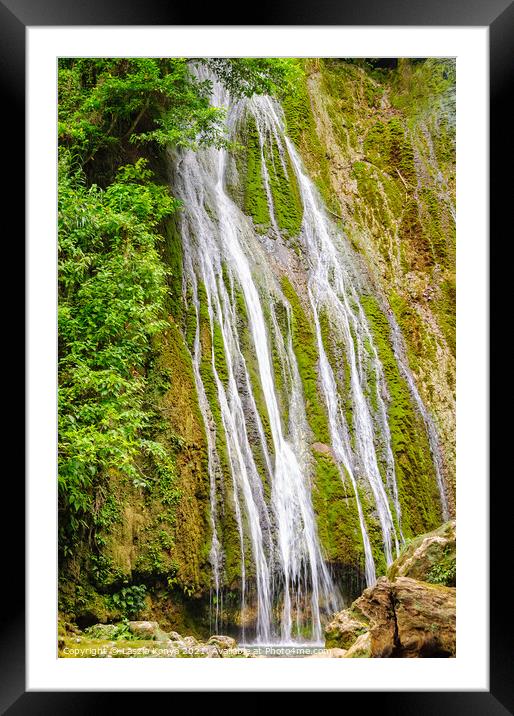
{"x": 285, "y": 192}
{"x": 245, "y": 182}
{"x": 302, "y": 130}
{"x": 388, "y": 146}
{"x": 415, "y": 472}
{"x": 386, "y": 138}
{"x": 253, "y": 162}
{"x": 306, "y": 351}
{"x": 335, "y": 507}
{"x": 429, "y": 557}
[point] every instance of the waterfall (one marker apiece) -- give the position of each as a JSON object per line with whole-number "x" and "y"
{"x": 258, "y": 436}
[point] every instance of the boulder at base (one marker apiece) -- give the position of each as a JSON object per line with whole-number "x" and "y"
{"x": 147, "y": 630}
{"x": 402, "y": 616}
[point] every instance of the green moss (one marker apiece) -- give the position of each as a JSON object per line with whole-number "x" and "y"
{"x": 255, "y": 199}
{"x": 190, "y": 321}
{"x": 441, "y": 241}
{"x": 287, "y": 203}
{"x": 413, "y": 235}
{"x": 301, "y": 128}
{"x": 415, "y": 472}
{"x": 305, "y": 348}
{"x": 445, "y": 311}
{"x": 219, "y": 353}
{"x": 336, "y": 513}
{"x": 420, "y": 343}
{"x": 381, "y": 198}
{"x": 418, "y": 88}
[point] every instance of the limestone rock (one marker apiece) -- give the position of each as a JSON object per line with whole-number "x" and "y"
{"x": 361, "y": 649}
{"x": 376, "y": 606}
{"x": 174, "y": 636}
{"x": 425, "y": 618}
{"x": 343, "y": 630}
{"x": 323, "y": 449}
{"x": 189, "y": 641}
{"x": 147, "y": 630}
{"x": 402, "y": 616}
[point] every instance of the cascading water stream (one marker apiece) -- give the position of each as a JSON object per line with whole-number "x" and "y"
{"x": 227, "y": 270}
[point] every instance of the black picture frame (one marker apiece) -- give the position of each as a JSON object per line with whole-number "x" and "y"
{"x": 498, "y": 15}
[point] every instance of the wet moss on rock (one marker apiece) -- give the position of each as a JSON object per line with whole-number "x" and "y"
{"x": 255, "y": 200}
{"x": 415, "y": 473}
{"x": 285, "y": 192}
{"x": 336, "y": 513}
{"x": 306, "y": 351}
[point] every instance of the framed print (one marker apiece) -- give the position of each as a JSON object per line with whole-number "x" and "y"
{"x": 257, "y": 263}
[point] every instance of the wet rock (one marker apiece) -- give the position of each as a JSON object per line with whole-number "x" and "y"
{"x": 189, "y": 641}
{"x": 403, "y": 616}
{"x": 323, "y": 449}
{"x": 174, "y": 636}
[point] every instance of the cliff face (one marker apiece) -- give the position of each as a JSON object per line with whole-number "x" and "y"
{"x": 380, "y": 147}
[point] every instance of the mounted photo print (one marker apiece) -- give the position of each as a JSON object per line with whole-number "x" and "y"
{"x": 257, "y": 357}
{"x": 257, "y": 260}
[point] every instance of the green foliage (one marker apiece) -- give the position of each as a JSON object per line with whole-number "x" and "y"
{"x": 130, "y": 601}
{"x": 445, "y": 570}
{"x": 115, "y": 274}
{"x": 443, "y": 574}
{"x": 245, "y": 76}
{"x": 110, "y": 631}
{"x": 111, "y": 296}
{"x": 105, "y": 101}
{"x": 108, "y": 102}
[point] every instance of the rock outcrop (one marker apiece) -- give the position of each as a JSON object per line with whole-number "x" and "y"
{"x": 429, "y": 557}
{"x": 403, "y": 616}
{"x": 147, "y": 630}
